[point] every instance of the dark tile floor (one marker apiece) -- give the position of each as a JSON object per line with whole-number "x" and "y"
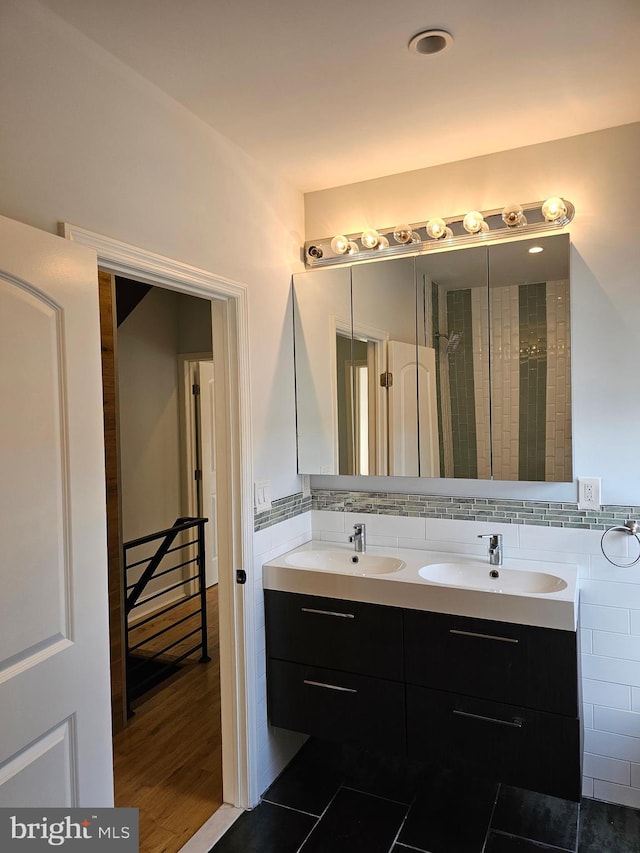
{"x": 339, "y": 799}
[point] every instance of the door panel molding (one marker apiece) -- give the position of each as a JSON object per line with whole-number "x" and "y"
{"x": 36, "y": 771}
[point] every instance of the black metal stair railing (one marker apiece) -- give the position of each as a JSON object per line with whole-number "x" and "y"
{"x": 147, "y": 665}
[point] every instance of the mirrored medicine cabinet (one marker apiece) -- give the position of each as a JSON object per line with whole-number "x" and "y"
{"x": 446, "y": 364}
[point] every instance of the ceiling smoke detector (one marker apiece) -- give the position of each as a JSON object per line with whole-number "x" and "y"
{"x": 429, "y": 42}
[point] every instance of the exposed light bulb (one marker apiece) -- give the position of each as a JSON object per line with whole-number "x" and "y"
{"x": 448, "y": 233}
{"x": 484, "y": 227}
{"x": 339, "y": 244}
{"x": 436, "y": 228}
{"x": 402, "y": 234}
{"x": 415, "y": 237}
{"x": 473, "y": 222}
{"x": 383, "y": 243}
{"x": 513, "y": 215}
{"x": 352, "y": 248}
{"x": 370, "y": 238}
{"x": 553, "y": 209}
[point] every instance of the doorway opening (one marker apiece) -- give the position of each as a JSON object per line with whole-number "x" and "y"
{"x": 237, "y": 636}
{"x": 161, "y": 436}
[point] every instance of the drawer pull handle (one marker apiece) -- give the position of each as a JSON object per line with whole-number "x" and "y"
{"x": 330, "y": 686}
{"x": 515, "y": 723}
{"x": 327, "y": 613}
{"x": 483, "y": 636}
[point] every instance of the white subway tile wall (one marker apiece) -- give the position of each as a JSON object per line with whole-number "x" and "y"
{"x": 480, "y": 321}
{"x": 276, "y": 747}
{"x": 558, "y": 416}
{"x": 505, "y": 382}
{"x": 609, "y": 603}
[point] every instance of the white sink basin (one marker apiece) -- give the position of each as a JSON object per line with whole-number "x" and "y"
{"x": 532, "y": 592}
{"x": 344, "y": 562}
{"x": 492, "y": 578}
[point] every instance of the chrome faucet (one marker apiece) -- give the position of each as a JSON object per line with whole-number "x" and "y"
{"x": 495, "y": 547}
{"x": 359, "y": 538}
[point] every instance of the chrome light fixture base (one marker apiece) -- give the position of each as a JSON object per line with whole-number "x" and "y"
{"x": 320, "y": 253}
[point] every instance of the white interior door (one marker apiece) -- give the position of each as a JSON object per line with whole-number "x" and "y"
{"x": 206, "y": 400}
{"x": 403, "y": 410}
{"x": 413, "y": 412}
{"x": 428, "y": 413}
{"x": 55, "y": 734}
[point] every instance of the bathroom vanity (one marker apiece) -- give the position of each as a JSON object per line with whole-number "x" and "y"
{"x": 373, "y": 653}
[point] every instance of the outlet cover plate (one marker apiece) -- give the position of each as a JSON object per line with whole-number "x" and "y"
{"x": 589, "y": 489}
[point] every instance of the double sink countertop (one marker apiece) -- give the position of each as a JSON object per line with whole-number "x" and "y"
{"x": 527, "y": 592}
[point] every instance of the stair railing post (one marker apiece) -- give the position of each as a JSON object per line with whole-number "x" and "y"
{"x": 125, "y": 615}
{"x": 203, "y": 591}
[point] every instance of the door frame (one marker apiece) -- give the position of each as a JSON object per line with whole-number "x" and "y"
{"x": 236, "y": 602}
{"x": 189, "y": 375}
{"x": 186, "y": 362}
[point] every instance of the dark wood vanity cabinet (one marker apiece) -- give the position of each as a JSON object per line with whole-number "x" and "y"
{"x": 497, "y": 699}
{"x": 335, "y": 669}
{"x": 500, "y": 699}
{"x": 519, "y": 664}
{"x": 349, "y": 636}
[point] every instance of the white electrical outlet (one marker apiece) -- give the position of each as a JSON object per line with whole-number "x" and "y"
{"x": 589, "y": 492}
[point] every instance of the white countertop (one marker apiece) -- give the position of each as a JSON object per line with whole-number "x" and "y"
{"x": 405, "y": 588}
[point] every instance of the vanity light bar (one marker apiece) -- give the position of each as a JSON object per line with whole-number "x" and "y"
{"x": 514, "y": 220}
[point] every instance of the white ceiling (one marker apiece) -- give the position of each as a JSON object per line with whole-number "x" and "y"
{"x": 326, "y": 93}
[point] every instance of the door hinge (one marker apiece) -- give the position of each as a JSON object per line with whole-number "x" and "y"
{"x": 241, "y": 576}
{"x": 195, "y": 390}
{"x": 386, "y": 380}
{"x": 197, "y": 474}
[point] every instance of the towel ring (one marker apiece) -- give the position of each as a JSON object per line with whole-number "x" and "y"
{"x": 630, "y": 527}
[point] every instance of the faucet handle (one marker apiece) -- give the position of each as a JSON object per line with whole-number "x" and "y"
{"x": 359, "y": 537}
{"x": 495, "y": 539}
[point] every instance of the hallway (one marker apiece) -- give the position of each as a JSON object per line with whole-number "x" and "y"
{"x": 168, "y": 760}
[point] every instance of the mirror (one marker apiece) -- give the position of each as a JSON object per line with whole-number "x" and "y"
{"x": 449, "y": 364}
{"x": 384, "y": 325}
{"x": 322, "y": 316}
{"x": 531, "y": 360}
{"x": 454, "y": 330}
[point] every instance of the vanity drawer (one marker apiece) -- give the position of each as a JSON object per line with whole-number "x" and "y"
{"x": 518, "y": 664}
{"x": 333, "y": 633}
{"x": 530, "y": 749}
{"x": 337, "y": 706}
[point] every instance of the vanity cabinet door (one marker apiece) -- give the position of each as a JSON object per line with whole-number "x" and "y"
{"x": 518, "y": 664}
{"x": 334, "y": 633}
{"x": 337, "y": 706}
{"x": 514, "y": 745}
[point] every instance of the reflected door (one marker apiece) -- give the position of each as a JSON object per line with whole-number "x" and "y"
{"x": 403, "y": 410}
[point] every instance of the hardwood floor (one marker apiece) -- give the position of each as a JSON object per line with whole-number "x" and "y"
{"x": 168, "y": 760}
